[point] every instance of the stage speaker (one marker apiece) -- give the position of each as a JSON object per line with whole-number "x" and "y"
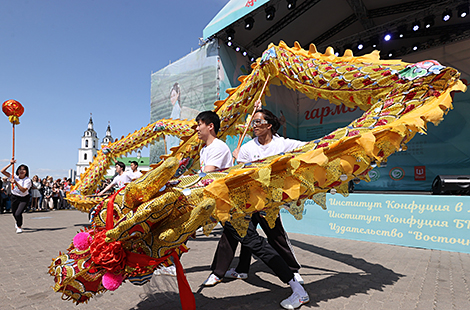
{"x": 451, "y": 185}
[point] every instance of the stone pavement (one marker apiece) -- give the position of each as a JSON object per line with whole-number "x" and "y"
{"x": 338, "y": 274}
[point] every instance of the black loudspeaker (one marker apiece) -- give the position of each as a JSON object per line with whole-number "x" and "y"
{"x": 451, "y": 185}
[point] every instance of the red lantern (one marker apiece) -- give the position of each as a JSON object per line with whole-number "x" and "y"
{"x": 13, "y": 109}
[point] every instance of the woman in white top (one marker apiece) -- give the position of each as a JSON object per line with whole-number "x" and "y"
{"x": 20, "y": 185}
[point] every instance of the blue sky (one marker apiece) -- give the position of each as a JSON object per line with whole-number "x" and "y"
{"x": 64, "y": 59}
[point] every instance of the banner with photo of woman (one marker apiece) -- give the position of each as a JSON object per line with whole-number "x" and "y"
{"x": 183, "y": 89}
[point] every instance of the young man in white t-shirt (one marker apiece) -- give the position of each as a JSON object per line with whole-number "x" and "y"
{"x": 215, "y": 155}
{"x": 120, "y": 180}
{"x": 135, "y": 174}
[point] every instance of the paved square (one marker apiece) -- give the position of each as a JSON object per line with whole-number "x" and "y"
{"x": 338, "y": 273}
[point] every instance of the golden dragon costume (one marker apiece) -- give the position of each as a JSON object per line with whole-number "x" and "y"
{"x": 148, "y": 222}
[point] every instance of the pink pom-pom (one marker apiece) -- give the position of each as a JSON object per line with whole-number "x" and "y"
{"x": 112, "y": 281}
{"x": 82, "y": 241}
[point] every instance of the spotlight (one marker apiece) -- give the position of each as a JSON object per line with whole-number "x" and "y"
{"x": 415, "y": 46}
{"x": 446, "y": 15}
{"x": 401, "y": 31}
{"x": 387, "y": 37}
{"x": 429, "y": 21}
{"x": 462, "y": 10}
{"x": 237, "y": 48}
{"x": 291, "y": 4}
{"x": 244, "y": 53}
{"x": 249, "y": 23}
{"x": 337, "y": 51}
{"x": 270, "y": 12}
{"x": 391, "y": 53}
{"x": 360, "y": 46}
{"x": 416, "y": 25}
{"x": 230, "y": 34}
{"x": 252, "y": 59}
{"x": 374, "y": 41}
{"x": 229, "y": 43}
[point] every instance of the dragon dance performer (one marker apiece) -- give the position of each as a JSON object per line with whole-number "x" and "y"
{"x": 120, "y": 180}
{"x": 267, "y": 143}
{"x": 215, "y": 155}
{"x": 21, "y": 183}
{"x": 253, "y": 243}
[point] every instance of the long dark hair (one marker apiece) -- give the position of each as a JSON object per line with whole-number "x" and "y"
{"x": 22, "y": 166}
{"x": 176, "y": 88}
{"x": 272, "y": 119}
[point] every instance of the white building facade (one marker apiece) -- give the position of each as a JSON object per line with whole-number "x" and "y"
{"x": 88, "y": 149}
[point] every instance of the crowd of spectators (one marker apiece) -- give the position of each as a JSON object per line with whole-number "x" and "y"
{"x": 46, "y": 194}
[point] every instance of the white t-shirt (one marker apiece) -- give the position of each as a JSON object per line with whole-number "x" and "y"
{"x": 253, "y": 150}
{"x": 216, "y": 154}
{"x": 135, "y": 175}
{"x": 25, "y": 182}
{"x": 122, "y": 179}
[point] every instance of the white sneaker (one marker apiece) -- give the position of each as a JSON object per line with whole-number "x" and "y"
{"x": 232, "y": 274}
{"x": 298, "y": 278}
{"x": 212, "y": 280}
{"x": 294, "y": 301}
{"x": 165, "y": 271}
{"x": 18, "y": 230}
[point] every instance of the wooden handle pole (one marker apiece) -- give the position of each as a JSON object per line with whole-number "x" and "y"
{"x": 252, "y": 114}
{"x": 164, "y": 143}
{"x": 13, "y": 156}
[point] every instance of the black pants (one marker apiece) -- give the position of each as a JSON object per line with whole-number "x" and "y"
{"x": 18, "y": 205}
{"x": 257, "y": 245}
{"x": 56, "y": 202}
{"x": 277, "y": 238}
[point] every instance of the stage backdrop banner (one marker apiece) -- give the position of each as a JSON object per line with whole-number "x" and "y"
{"x": 183, "y": 89}
{"x": 424, "y": 221}
{"x": 444, "y": 150}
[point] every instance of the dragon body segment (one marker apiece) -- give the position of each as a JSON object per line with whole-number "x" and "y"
{"x": 155, "y": 214}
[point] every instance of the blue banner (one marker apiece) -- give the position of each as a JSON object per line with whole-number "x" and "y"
{"x": 425, "y": 221}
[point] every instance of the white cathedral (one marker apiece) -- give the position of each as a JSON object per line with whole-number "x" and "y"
{"x": 90, "y": 146}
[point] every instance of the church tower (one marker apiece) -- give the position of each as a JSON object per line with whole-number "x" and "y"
{"x": 88, "y": 149}
{"x": 108, "y": 138}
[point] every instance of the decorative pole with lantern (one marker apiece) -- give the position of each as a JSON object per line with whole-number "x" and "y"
{"x": 13, "y": 109}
